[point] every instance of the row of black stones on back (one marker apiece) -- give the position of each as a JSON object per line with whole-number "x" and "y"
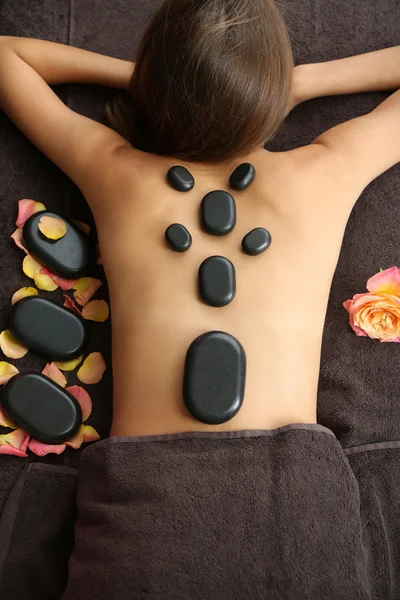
{"x": 183, "y": 181}
{"x": 215, "y": 366}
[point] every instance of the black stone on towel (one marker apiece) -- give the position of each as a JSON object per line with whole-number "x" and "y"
{"x": 178, "y": 237}
{"x": 218, "y": 212}
{"x": 242, "y": 176}
{"x": 217, "y": 281}
{"x": 71, "y": 257}
{"x": 48, "y": 329}
{"x": 42, "y": 408}
{"x": 181, "y": 179}
{"x": 215, "y": 376}
{"x": 257, "y": 241}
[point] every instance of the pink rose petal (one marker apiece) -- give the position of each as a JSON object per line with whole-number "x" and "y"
{"x": 64, "y": 284}
{"x": 387, "y": 282}
{"x": 90, "y": 434}
{"x": 83, "y": 399}
{"x": 42, "y": 449}
{"x": 69, "y": 303}
{"x": 92, "y": 369}
{"x": 77, "y": 441}
{"x": 14, "y": 443}
{"x": 18, "y": 239}
{"x": 53, "y": 372}
{"x": 27, "y": 208}
{"x": 349, "y": 307}
{"x": 85, "y": 288}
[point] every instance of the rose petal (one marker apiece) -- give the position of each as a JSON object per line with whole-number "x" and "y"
{"x": 53, "y": 372}
{"x": 18, "y": 239}
{"x": 96, "y": 310}
{"x": 82, "y": 226}
{"x": 5, "y": 421}
{"x": 23, "y": 293}
{"x": 6, "y": 372}
{"x": 30, "y": 266}
{"x": 69, "y": 365}
{"x": 90, "y": 434}
{"x": 27, "y": 208}
{"x": 85, "y": 288}
{"x": 52, "y": 228}
{"x": 387, "y": 281}
{"x": 92, "y": 369}
{"x": 42, "y": 449}
{"x": 77, "y": 441}
{"x": 44, "y": 282}
{"x": 64, "y": 284}
{"x": 69, "y": 303}
{"x": 10, "y": 346}
{"x": 14, "y": 443}
{"x": 83, "y": 399}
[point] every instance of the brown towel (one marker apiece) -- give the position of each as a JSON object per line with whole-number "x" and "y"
{"x": 254, "y": 514}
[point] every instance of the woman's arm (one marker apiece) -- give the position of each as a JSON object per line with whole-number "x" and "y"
{"x": 374, "y": 71}
{"x": 57, "y": 63}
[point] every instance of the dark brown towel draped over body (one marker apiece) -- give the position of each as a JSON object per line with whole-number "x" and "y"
{"x": 269, "y": 514}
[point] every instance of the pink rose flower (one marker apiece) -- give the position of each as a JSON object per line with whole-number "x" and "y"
{"x": 377, "y": 314}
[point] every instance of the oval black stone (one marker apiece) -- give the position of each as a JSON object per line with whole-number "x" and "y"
{"x": 50, "y": 330}
{"x": 215, "y": 377}
{"x": 178, "y": 237}
{"x": 181, "y": 179}
{"x": 242, "y": 176}
{"x": 257, "y": 241}
{"x": 71, "y": 257}
{"x": 217, "y": 281}
{"x": 42, "y": 408}
{"x": 218, "y": 211}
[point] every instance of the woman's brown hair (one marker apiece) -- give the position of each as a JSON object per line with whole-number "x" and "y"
{"x": 212, "y": 80}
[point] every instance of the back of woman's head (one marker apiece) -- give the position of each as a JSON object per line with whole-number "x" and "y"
{"x": 212, "y": 80}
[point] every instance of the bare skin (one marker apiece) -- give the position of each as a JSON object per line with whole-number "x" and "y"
{"x": 303, "y": 197}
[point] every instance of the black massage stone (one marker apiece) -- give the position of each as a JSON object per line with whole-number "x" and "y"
{"x": 181, "y": 179}
{"x": 217, "y": 281}
{"x": 71, "y": 257}
{"x": 178, "y": 237}
{"x": 218, "y": 212}
{"x": 42, "y": 408}
{"x": 242, "y": 176}
{"x": 214, "y": 379}
{"x": 257, "y": 241}
{"x": 50, "y": 330}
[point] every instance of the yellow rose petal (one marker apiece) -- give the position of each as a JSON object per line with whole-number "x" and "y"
{"x": 30, "y": 266}
{"x": 23, "y": 293}
{"x": 96, "y": 310}
{"x": 92, "y": 369}
{"x": 52, "y": 228}
{"x": 69, "y": 365}
{"x": 10, "y": 347}
{"x": 85, "y": 288}
{"x": 6, "y": 372}
{"x": 77, "y": 441}
{"x": 82, "y": 226}
{"x": 90, "y": 434}
{"x": 44, "y": 282}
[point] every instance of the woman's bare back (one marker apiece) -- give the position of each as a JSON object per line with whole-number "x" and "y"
{"x": 279, "y": 309}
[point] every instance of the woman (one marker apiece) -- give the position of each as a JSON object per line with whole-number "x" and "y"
{"x": 171, "y": 506}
